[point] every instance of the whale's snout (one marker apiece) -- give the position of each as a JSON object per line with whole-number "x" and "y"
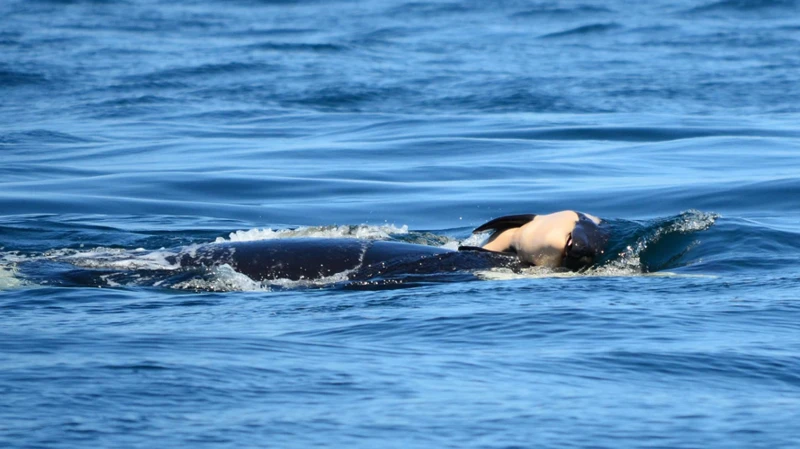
{"x": 585, "y": 245}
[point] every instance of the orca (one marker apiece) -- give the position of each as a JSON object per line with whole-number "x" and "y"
{"x": 355, "y": 259}
{"x": 567, "y": 239}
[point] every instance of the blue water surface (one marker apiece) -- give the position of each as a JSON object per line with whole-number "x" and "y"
{"x": 131, "y": 128}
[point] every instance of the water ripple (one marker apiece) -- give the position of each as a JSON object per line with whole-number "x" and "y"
{"x": 594, "y": 28}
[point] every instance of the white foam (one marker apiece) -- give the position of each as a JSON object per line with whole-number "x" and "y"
{"x": 223, "y": 279}
{"x": 502, "y": 274}
{"x": 12, "y": 258}
{"x": 311, "y": 283}
{"x": 115, "y": 258}
{"x": 8, "y": 270}
{"x": 472, "y": 240}
{"x": 8, "y": 278}
{"x": 505, "y": 274}
{"x": 343, "y": 231}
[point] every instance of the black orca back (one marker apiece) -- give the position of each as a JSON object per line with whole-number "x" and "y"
{"x": 306, "y": 258}
{"x": 359, "y": 262}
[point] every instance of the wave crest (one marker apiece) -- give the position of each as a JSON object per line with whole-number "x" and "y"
{"x": 632, "y": 258}
{"x": 369, "y": 232}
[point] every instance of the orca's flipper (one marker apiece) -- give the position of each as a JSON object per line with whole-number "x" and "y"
{"x": 499, "y": 225}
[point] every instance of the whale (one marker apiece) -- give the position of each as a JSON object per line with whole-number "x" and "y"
{"x": 565, "y": 240}
{"x": 561, "y": 240}
{"x": 352, "y": 259}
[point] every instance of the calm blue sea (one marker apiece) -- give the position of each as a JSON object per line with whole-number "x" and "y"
{"x": 132, "y": 129}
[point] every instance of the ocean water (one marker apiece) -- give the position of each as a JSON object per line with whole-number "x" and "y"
{"x": 133, "y": 129}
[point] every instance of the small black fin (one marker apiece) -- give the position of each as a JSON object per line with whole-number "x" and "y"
{"x": 501, "y": 224}
{"x": 474, "y": 248}
{"x": 484, "y": 250}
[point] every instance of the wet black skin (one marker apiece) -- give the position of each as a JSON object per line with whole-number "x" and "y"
{"x": 585, "y": 245}
{"x": 314, "y": 258}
